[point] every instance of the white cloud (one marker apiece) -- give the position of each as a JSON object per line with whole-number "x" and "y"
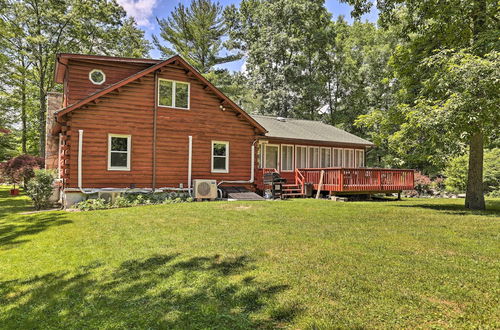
{"x": 141, "y": 10}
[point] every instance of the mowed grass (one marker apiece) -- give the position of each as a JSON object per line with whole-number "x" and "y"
{"x": 236, "y": 265}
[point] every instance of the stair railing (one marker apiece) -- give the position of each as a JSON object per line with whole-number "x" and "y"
{"x": 299, "y": 179}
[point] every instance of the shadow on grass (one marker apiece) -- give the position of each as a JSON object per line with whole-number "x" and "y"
{"x": 13, "y": 226}
{"x": 159, "y": 292}
{"x": 492, "y": 208}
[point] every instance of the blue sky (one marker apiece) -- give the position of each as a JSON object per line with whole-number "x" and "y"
{"x": 145, "y": 13}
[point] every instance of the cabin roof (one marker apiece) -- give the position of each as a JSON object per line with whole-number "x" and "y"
{"x": 156, "y": 65}
{"x": 300, "y": 129}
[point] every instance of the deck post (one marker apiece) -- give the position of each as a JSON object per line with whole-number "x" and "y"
{"x": 341, "y": 179}
{"x": 320, "y": 185}
{"x": 379, "y": 178}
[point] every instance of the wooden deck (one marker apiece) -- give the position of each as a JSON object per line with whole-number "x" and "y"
{"x": 347, "y": 180}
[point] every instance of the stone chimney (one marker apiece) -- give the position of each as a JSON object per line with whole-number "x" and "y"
{"x": 54, "y": 103}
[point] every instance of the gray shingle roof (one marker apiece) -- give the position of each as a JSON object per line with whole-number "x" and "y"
{"x": 307, "y": 130}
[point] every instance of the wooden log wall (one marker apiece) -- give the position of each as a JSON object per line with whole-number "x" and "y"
{"x": 129, "y": 111}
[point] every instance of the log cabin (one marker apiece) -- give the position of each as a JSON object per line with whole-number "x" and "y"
{"x": 126, "y": 124}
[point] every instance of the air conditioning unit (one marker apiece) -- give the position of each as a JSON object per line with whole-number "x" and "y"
{"x": 109, "y": 196}
{"x": 205, "y": 189}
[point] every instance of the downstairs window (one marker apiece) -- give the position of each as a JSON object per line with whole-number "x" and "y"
{"x": 119, "y": 147}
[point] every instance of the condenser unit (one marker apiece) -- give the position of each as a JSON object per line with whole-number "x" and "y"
{"x": 205, "y": 189}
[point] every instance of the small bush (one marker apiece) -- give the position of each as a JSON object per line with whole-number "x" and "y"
{"x": 422, "y": 183}
{"x": 494, "y": 193}
{"x": 121, "y": 201}
{"x": 93, "y": 204}
{"x": 40, "y": 188}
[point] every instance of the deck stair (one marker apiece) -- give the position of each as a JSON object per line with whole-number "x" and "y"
{"x": 292, "y": 190}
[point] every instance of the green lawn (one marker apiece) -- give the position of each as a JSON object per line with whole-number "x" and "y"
{"x": 298, "y": 264}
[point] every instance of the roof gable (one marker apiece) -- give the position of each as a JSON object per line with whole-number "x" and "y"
{"x": 225, "y": 101}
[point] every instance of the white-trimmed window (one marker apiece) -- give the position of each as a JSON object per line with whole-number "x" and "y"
{"x": 300, "y": 156}
{"x": 119, "y": 150}
{"x": 360, "y": 158}
{"x": 97, "y": 77}
{"x": 260, "y": 155}
{"x": 326, "y": 157}
{"x": 173, "y": 94}
{"x": 348, "y": 157}
{"x": 337, "y": 157}
{"x": 271, "y": 156}
{"x": 220, "y": 157}
{"x": 313, "y": 157}
{"x": 286, "y": 157}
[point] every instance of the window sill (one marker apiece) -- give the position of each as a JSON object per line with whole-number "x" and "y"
{"x": 119, "y": 169}
{"x": 173, "y": 108}
{"x": 220, "y": 171}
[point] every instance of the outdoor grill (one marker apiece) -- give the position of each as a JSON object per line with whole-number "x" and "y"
{"x": 276, "y": 182}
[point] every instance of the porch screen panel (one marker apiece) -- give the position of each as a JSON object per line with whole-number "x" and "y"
{"x": 272, "y": 156}
{"x": 360, "y": 158}
{"x": 337, "y": 157}
{"x": 286, "y": 158}
{"x": 348, "y": 157}
{"x": 313, "y": 157}
{"x": 301, "y": 157}
{"x": 326, "y": 157}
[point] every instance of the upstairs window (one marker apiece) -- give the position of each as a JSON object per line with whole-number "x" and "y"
{"x": 174, "y": 94}
{"x": 220, "y": 157}
{"x": 97, "y": 77}
{"x": 119, "y": 152}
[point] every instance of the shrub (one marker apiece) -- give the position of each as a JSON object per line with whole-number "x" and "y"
{"x": 40, "y": 188}
{"x": 134, "y": 199}
{"x": 494, "y": 193}
{"x": 422, "y": 183}
{"x": 93, "y": 204}
{"x": 121, "y": 201}
{"x": 456, "y": 172}
{"x": 21, "y": 169}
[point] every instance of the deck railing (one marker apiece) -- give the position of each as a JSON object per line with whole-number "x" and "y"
{"x": 349, "y": 179}
{"x": 360, "y": 179}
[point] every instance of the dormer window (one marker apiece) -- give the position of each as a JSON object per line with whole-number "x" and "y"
{"x": 173, "y": 94}
{"x": 97, "y": 77}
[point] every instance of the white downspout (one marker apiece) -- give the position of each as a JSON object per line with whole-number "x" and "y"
{"x": 252, "y": 169}
{"x": 190, "y": 161}
{"x": 80, "y": 147}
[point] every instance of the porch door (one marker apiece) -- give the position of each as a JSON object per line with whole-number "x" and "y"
{"x": 272, "y": 156}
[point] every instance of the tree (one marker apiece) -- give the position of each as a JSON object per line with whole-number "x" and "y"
{"x": 45, "y": 28}
{"x": 282, "y": 41}
{"x": 196, "y": 33}
{"x": 430, "y": 26}
{"x": 463, "y": 94}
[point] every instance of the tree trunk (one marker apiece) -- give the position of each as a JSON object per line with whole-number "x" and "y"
{"x": 474, "y": 199}
{"x": 23, "y": 114}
